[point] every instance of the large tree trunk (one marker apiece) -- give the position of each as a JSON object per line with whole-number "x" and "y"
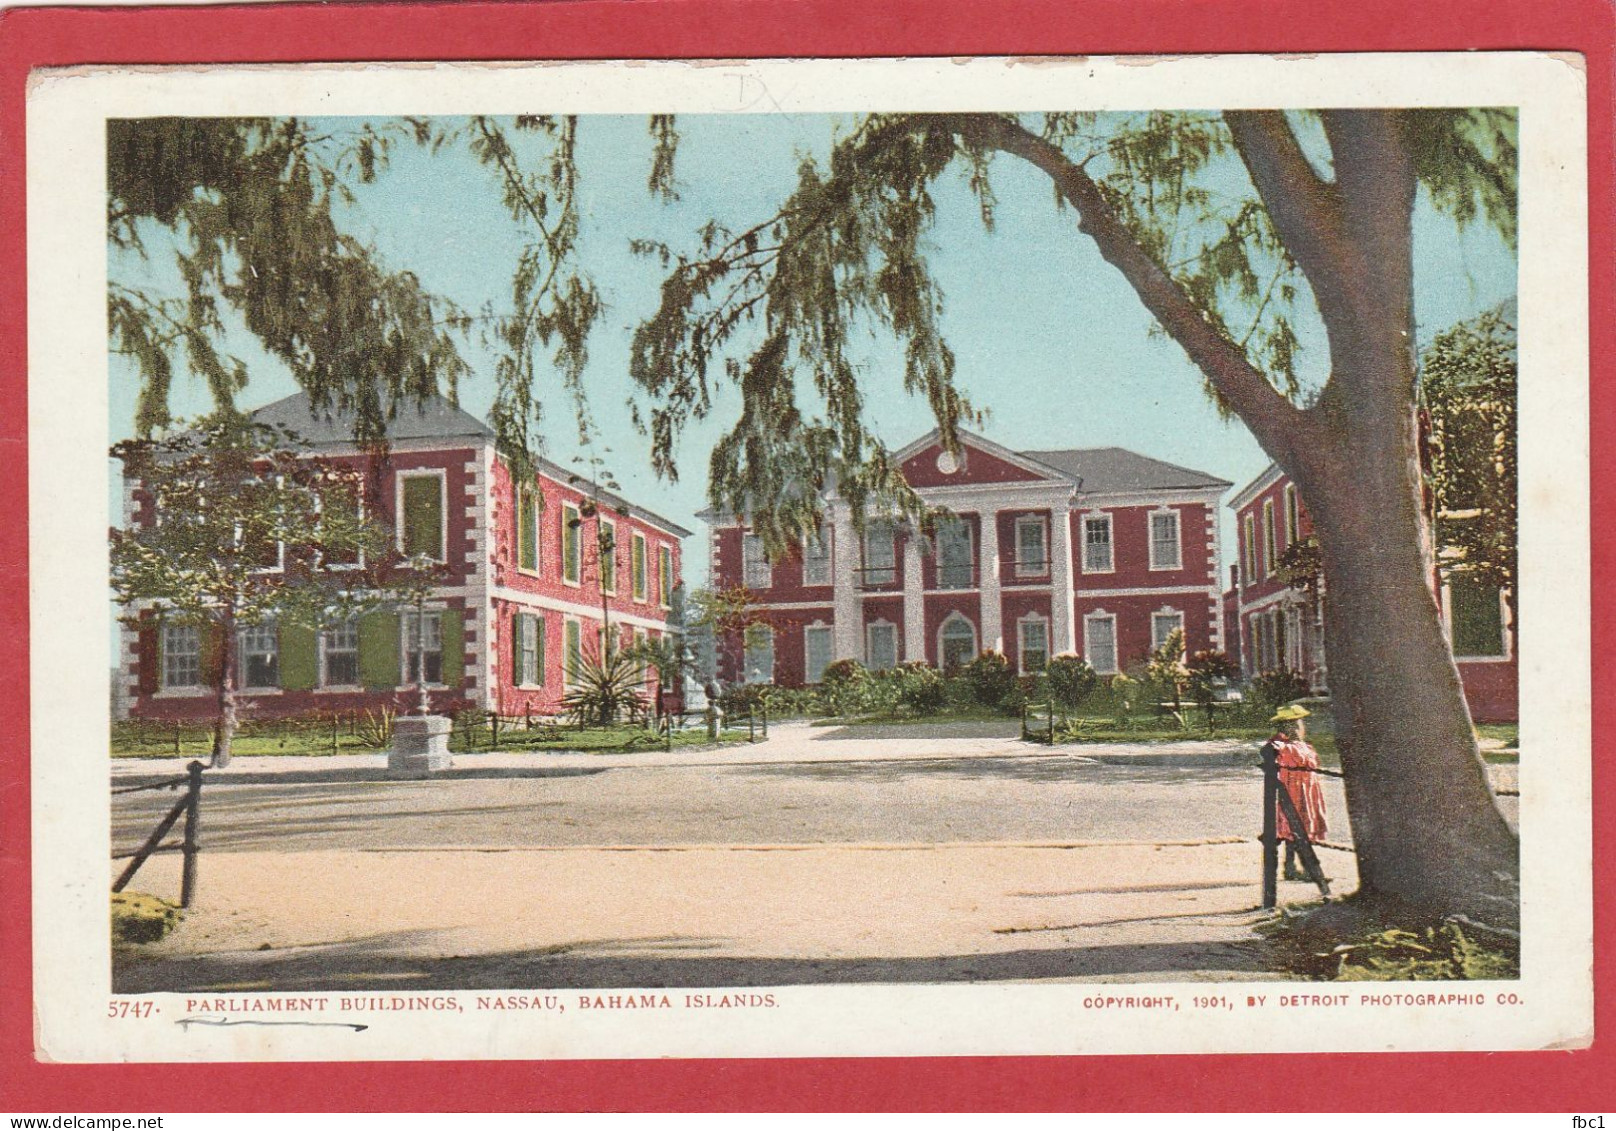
{"x": 1425, "y": 822}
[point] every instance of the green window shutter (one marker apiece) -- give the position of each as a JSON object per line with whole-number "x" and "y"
{"x": 378, "y": 650}
{"x": 516, "y": 649}
{"x": 637, "y": 562}
{"x": 300, "y": 657}
{"x": 454, "y": 646}
{"x": 538, "y": 628}
{"x": 423, "y": 516}
{"x": 528, "y": 529}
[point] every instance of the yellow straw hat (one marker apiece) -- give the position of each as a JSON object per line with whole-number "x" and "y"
{"x": 1290, "y": 713}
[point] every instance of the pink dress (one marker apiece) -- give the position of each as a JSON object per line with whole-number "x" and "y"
{"x": 1295, "y": 758}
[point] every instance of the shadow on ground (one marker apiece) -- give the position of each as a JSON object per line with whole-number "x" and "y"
{"x": 367, "y": 965}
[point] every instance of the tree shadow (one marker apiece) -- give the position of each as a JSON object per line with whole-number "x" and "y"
{"x": 660, "y": 962}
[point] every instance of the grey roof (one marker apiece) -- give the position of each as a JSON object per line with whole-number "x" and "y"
{"x": 1107, "y": 471}
{"x": 433, "y": 419}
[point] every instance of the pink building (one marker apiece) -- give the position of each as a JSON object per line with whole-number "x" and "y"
{"x": 1098, "y": 552}
{"x": 1283, "y": 628}
{"x": 524, "y": 594}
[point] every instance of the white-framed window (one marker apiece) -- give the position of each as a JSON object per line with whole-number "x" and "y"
{"x": 1248, "y": 546}
{"x": 572, "y": 654}
{"x": 756, "y": 573}
{"x": 665, "y": 576}
{"x": 1032, "y": 643}
{"x": 572, "y": 545}
{"x": 427, "y": 643}
{"x": 1269, "y": 539}
{"x": 816, "y": 651}
{"x": 956, "y": 558}
{"x": 1164, "y": 542}
{"x": 1032, "y": 546}
{"x": 345, "y": 498}
{"x": 606, "y": 547}
{"x": 1293, "y": 516}
{"x": 759, "y": 658}
{"x": 529, "y": 510}
{"x": 339, "y": 654}
{"x": 1163, "y": 624}
{"x": 816, "y": 558}
{"x": 956, "y": 642}
{"x": 1476, "y": 621}
{"x": 638, "y": 568}
{"x": 880, "y": 554}
{"x": 880, "y": 645}
{"x": 527, "y": 650}
{"x": 1100, "y": 641}
{"x": 258, "y": 647}
{"x": 1098, "y": 553}
{"x": 422, "y": 516}
{"x": 182, "y": 656}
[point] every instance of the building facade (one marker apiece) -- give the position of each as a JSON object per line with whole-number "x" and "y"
{"x": 524, "y": 591}
{"x": 1281, "y": 627}
{"x": 1100, "y": 553}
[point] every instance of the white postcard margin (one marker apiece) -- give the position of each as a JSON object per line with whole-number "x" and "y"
{"x": 1551, "y": 1005}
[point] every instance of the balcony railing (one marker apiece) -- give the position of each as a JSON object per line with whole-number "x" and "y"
{"x": 956, "y": 575}
{"x": 876, "y": 577}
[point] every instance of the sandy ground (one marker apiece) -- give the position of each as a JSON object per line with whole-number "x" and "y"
{"x": 714, "y": 916}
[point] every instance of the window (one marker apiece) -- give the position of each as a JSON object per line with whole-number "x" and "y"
{"x": 1476, "y": 619}
{"x": 1100, "y": 642}
{"x": 1248, "y": 546}
{"x": 339, "y": 654}
{"x": 636, "y": 567}
{"x": 1270, "y": 549}
{"x": 816, "y": 647}
{"x": 1163, "y": 625}
{"x": 956, "y": 643}
{"x": 1032, "y": 547}
{"x": 423, "y": 639}
{"x": 665, "y": 576}
{"x": 572, "y": 559}
{"x": 955, "y": 561}
{"x": 607, "y": 549}
{"x": 341, "y": 499}
{"x": 1098, "y": 556}
{"x": 182, "y": 656}
{"x": 816, "y": 562}
{"x": 259, "y": 648}
{"x": 421, "y": 515}
{"x": 755, "y": 570}
{"x": 1032, "y": 633}
{"x": 881, "y": 646}
{"x": 1293, "y": 517}
{"x": 759, "y": 654}
{"x": 1164, "y": 540}
{"x": 880, "y": 554}
{"x": 573, "y": 654}
{"x": 527, "y": 529}
{"x": 527, "y": 649}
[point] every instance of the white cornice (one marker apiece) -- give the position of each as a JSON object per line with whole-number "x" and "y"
{"x": 1257, "y": 486}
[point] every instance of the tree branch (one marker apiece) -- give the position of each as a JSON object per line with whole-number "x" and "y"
{"x": 1305, "y": 211}
{"x": 1278, "y": 425}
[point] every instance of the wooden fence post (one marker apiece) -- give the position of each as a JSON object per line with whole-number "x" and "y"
{"x": 1270, "y": 827}
{"x": 193, "y": 819}
{"x": 1052, "y": 720}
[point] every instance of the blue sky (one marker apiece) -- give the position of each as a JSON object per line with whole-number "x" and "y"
{"x": 1050, "y": 340}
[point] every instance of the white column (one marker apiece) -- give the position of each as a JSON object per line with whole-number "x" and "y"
{"x": 846, "y": 636}
{"x": 1062, "y": 597}
{"x": 992, "y": 625}
{"x": 914, "y": 601}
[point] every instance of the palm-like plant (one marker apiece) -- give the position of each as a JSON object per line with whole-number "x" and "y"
{"x": 604, "y": 687}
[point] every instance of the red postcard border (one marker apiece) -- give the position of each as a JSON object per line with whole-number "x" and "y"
{"x": 29, "y": 38}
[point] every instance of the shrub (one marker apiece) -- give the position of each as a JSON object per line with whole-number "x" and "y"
{"x": 1276, "y": 688}
{"x": 604, "y": 688}
{"x": 1071, "y": 680}
{"x": 1207, "y": 669}
{"x": 375, "y": 728}
{"x": 991, "y": 679}
{"x": 139, "y": 918}
{"x": 842, "y": 687}
{"x": 920, "y": 687}
{"x": 743, "y": 697}
{"x": 784, "y": 702}
{"x": 1168, "y": 675}
{"x": 1125, "y": 692}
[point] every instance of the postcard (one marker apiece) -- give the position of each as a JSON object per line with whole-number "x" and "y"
{"x": 810, "y": 558}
